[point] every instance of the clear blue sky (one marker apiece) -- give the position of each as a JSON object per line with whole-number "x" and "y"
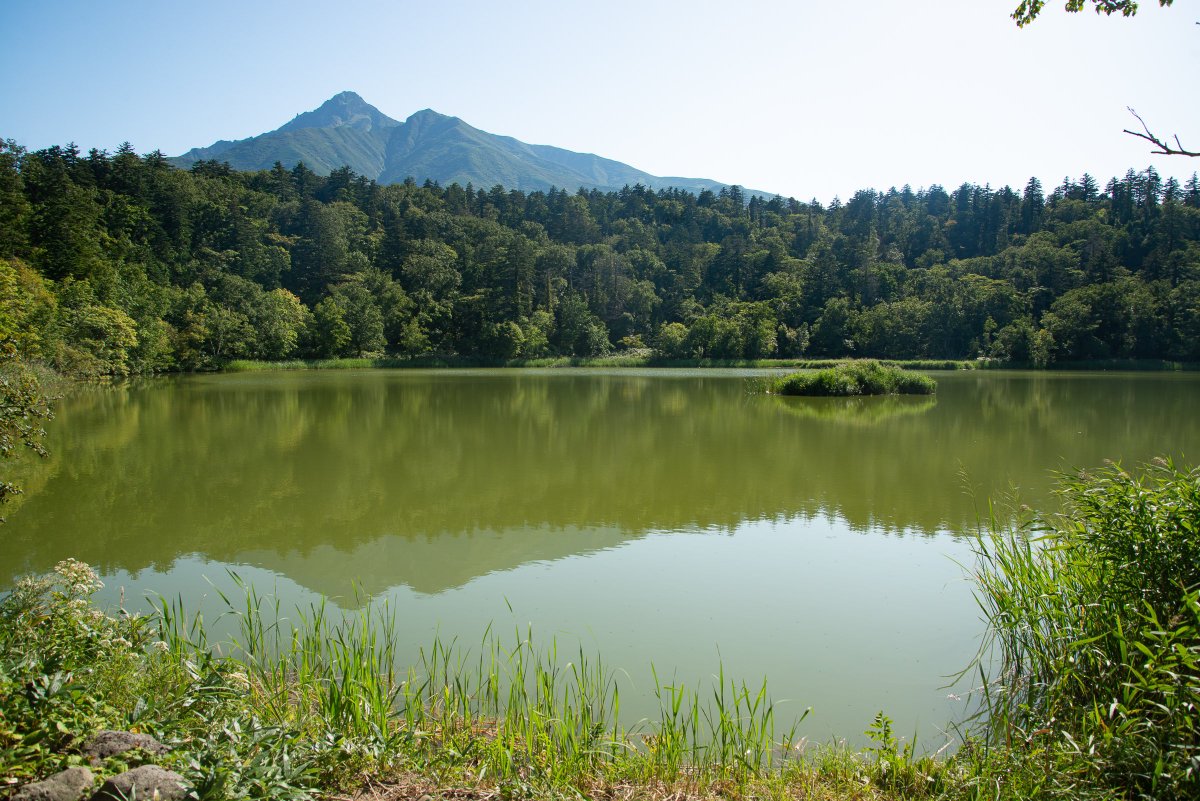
{"x": 805, "y": 98}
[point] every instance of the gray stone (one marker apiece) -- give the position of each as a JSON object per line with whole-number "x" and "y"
{"x": 71, "y": 784}
{"x": 103, "y": 744}
{"x": 144, "y": 783}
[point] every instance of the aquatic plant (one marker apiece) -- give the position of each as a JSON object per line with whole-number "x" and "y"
{"x": 867, "y": 377}
{"x": 293, "y": 706}
{"x": 1094, "y": 619}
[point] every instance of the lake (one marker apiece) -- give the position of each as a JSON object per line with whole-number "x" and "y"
{"x": 672, "y": 518}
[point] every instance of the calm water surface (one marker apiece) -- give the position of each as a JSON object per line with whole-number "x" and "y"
{"x": 665, "y": 517}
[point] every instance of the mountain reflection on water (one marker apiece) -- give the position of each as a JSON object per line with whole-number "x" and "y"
{"x": 429, "y": 479}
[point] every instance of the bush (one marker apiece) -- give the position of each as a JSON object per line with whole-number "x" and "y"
{"x": 67, "y": 670}
{"x": 856, "y": 378}
{"x": 56, "y": 651}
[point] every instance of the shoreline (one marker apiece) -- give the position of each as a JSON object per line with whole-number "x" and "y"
{"x": 643, "y": 361}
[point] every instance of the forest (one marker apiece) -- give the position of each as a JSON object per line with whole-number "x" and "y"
{"x": 119, "y": 263}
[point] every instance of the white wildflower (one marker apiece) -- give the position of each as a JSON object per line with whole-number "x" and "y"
{"x": 78, "y": 576}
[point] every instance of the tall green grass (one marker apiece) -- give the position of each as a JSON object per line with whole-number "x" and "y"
{"x": 1094, "y": 618}
{"x": 867, "y": 377}
{"x": 293, "y": 704}
{"x": 516, "y": 713}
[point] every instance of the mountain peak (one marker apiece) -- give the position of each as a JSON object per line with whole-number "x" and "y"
{"x": 428, "y": 116}
{"x": 343, "y": 109}
{"x": 345, "y": 130}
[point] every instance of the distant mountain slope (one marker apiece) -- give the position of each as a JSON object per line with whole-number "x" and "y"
{"x": 348, "y": 131}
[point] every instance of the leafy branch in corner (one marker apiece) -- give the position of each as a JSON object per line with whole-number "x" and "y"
{"x": 1028, "y": 10}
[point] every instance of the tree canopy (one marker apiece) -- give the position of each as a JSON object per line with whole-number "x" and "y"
{"x": 120, "y": 263}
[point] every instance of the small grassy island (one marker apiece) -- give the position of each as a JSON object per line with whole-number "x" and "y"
{"x": 867, "y": 377}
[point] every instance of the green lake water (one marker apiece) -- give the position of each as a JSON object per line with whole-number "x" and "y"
{"x": 673, "y": 518}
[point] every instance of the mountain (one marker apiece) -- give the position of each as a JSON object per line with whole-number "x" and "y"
{"x": 348, "y": 131}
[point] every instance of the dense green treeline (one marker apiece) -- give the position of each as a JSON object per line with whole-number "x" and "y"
{"x": 117, "y": 263}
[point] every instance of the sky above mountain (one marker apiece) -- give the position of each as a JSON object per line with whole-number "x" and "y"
{"x": 806, "y": 98}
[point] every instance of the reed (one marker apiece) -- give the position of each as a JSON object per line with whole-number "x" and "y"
{"x": 854, "y": 378}
{"x": 1094, "y": 619}
{"x": 511, "y": 709}
{"x": 292, "y": 704}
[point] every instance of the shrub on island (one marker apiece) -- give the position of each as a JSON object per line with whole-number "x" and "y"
{"x": 868, "y": 377}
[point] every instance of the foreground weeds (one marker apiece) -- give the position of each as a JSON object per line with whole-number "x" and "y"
{"x": 1090, "y": 683}
{"x": 1095, "y": 622}
{"x": 315, "y": 707}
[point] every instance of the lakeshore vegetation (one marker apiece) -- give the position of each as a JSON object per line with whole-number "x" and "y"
{"x": 118, "y": 263}
{"x": 855, "y": 378}
{"x": 1093, "y": 691}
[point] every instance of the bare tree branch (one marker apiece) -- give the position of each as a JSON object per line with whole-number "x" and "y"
{"x": 1163, "y": 147}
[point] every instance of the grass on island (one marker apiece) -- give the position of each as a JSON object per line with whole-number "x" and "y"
{"x": 1095, "y": 626}
{"x": 867, "y": 377}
